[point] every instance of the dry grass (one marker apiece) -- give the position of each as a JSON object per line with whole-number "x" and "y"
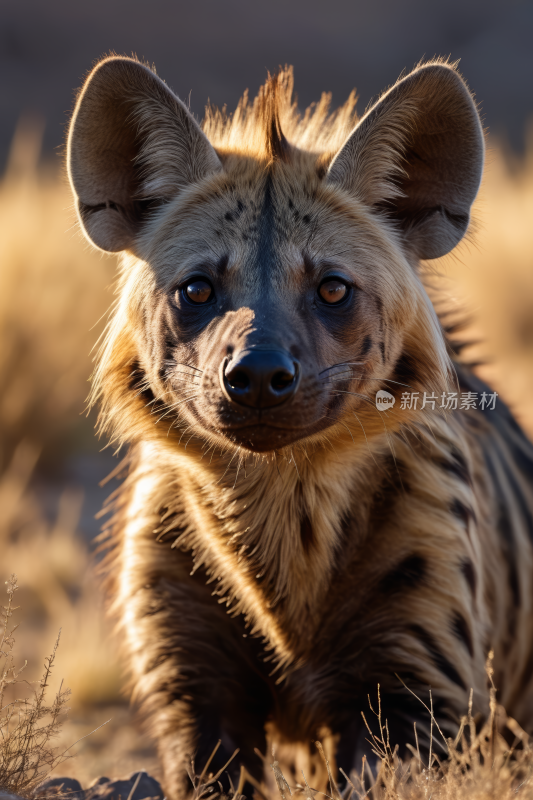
{"x": 53, "y": 294}
{"x": 28, "y": 726}
{"x": 494, "y": 762}
{"x": 58, "y": 584}
{"x": 479, "y": 765}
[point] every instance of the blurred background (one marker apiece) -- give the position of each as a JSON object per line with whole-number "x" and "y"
{"x": 54, "y": 291}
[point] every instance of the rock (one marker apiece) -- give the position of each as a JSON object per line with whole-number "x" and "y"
{"x": 68, "y": 788}
{"x": 139, "y": 786}
{"x": 99, "y": 781}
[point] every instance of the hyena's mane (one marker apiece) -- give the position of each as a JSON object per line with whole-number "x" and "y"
{"x": 272, "y": 122}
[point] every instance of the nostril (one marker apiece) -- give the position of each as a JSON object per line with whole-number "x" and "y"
{"x": 259, "y": 378}
{"x": 281, "y": 380}
{"x": 238, "y": 379}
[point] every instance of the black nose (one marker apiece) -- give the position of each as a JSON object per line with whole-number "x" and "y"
{"x": 261, "y": 378}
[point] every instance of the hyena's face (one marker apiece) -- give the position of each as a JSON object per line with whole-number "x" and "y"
{"x": 272, "y": 291}
{"x": 274, "y": 305}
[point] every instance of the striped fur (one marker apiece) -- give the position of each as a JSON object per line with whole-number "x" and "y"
{"x": 272, "y": 570}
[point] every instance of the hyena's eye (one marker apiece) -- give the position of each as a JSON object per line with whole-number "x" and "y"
{"x": 333, "y": 291}
{"x": 198, "y": 291}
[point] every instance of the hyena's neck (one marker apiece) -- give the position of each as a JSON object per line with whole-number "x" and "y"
{"x": 268, "y": 536}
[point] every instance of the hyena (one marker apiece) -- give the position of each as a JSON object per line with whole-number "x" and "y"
{"x": 280, "y": 545}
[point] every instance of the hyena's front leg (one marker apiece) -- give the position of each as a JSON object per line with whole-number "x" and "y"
{"x": 193, "y": 674}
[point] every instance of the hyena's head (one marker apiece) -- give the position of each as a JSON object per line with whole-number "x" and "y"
{"x": 270, "y": 282}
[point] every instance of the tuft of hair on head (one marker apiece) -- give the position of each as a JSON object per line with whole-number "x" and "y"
{"x": 271, "y": 126}
{"x": 276, "y": 91}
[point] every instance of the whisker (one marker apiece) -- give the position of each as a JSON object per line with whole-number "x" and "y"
{"x": 237, "y": 473}
{"x": 339, "y": 376}
{"x": 179, "y": 381}
{"x": 187, "y": 399}
{"x": 184, "y": 432}
{"x": 142, "y": 389}
{"x": 329, "y": 442}
{"x": 205, "y": 452}
{"x": 190, "y": 366}
{"x": 342, "y": 364}
{"x": 341, "y": 423}
{"x": 229, "y": 465}
{"x": 366, "y": 439}
{"x": 179, "y": 385}
{"x": 169, "y": 409}
{"x": 364, "y": 397}
{"x": 306, "y": 454}
{"x": 386, "y": 380}
{"x": 295, "y": 465}
{"x": 174, "y": 406}
{"x": 276, "y": 462}
{"x": 187, "y": 374}
{"x": 360, "y": 363}
{"x": 179, "y": 402}
{"x": 150, "y": 403}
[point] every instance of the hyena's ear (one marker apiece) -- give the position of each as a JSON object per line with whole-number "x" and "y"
{"x": 417, "y": 154}
{"x": 131, "y": 143}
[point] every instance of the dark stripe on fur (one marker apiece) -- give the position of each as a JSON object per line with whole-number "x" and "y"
{"x": 408, "y": 574}
{"x": 394, "y": 484}
{"x": 518, "y": 495}
{"x": 462, "y": 512}
{"x": 523, "y": 455}
{"x": 457, "y": 466}
{"x": 467, "y": 568}
{"x": 440, "y": 660}
{"x": 306, "y": 533}
{"x": 406, "y": 370}
{"x": 462, "y": 631}
{"x": 505, "y": 529}
{"x": 265, "y": 253}
{"x": 367, "y": 344}
{"x": 138, "y": 383}
{"x": 527, "y": 674}
{"x": 506, "y": 533}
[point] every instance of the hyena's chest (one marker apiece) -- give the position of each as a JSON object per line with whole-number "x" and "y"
{"x": 304, "y": 610}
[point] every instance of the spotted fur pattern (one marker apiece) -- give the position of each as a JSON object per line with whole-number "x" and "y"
{"x": 270, "y": 568}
